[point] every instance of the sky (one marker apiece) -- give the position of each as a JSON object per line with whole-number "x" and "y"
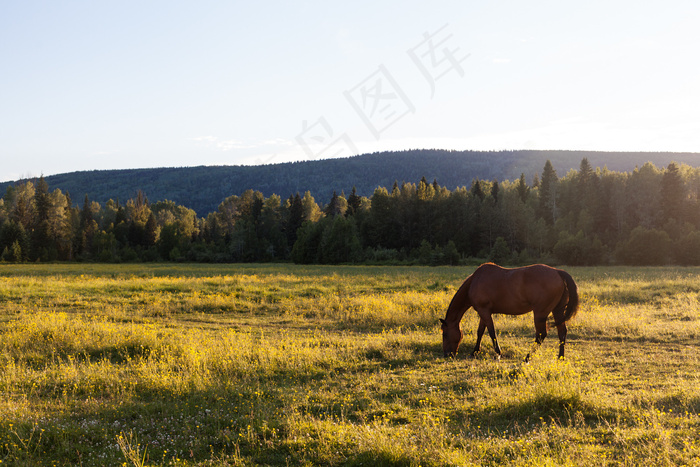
{"x": 90, "y": 85}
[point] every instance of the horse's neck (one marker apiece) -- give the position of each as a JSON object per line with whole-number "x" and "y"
{"x": 460, "y": 303}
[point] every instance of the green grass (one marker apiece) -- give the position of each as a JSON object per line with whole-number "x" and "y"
{"x": 292, "y": 365}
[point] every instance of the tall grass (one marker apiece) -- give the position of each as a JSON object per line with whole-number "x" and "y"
{"x": 288, "y": 365}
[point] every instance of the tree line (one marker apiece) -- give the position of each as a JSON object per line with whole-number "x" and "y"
{"x": 649, "y": 216}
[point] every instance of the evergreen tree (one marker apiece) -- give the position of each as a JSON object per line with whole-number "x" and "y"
{"x": 476, "y": 190}
{"x": 86, "y": 213}
{"x": 354, "y": 202}
{"x": 41, "y": 231}
{"x": 585, "y": 174}
{"x": 151, "y": 231}
{"x": 673, "y": 194}
{"x": 586, "y": 187}
{"x": 548, "y": 193}
{"x": 86, "y": 229}
{"x": 494, "y": 190}
{"x": 523, "y": 189}
{"x": 296, "y": 218}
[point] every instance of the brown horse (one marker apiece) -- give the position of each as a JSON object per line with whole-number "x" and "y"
{"x": 492, "y": 289}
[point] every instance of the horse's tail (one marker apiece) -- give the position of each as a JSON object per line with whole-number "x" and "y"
{"x": 572, "y": 290}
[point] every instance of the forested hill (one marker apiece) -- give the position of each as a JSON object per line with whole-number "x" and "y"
{"x": 203, "y": 188}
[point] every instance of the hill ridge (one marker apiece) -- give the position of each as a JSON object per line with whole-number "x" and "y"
{"x": 202, "y": 188}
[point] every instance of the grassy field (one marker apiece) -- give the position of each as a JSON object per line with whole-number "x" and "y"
{"x": 290, "y": 365}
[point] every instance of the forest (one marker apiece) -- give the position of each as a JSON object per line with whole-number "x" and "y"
{"x": 648, "y": 216}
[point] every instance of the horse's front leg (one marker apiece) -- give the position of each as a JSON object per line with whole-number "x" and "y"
{"x": 479, "y": 334}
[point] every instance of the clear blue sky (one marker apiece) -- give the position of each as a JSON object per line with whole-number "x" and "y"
{"x": 98, "y": 85}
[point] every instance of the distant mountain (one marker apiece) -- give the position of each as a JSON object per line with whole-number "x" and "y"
{"x": 203, "y": 188}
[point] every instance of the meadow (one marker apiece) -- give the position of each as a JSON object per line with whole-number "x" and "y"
{"x": 209, "y": 365}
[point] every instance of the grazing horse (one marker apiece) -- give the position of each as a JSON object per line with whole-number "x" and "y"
{"x": 492, "y": 289}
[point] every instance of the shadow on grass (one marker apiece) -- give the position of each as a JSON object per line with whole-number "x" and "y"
{"x": 378, "y": 459}
{"x": 563, "y": 409}
{"x": 196, "y": 427}
{"x": 405, "y": 353}
{"x": 680, "y": 402}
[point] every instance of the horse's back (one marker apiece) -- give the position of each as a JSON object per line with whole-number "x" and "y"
{"x": 515, "y": 290}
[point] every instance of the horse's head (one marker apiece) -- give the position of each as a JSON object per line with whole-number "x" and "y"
{"x": 451, "y": 337}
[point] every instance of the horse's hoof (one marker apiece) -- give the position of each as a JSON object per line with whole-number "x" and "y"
{"x": 497, "y": 358}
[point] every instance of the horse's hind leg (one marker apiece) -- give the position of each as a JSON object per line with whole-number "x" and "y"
{"x": 492, "y": 333}
{"x": 558, "y": 314}
{"x": 561, "y": 329}
{"x": 540, "y": 334}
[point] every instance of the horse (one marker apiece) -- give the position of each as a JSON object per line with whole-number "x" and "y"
{"x": 492, "y": 289}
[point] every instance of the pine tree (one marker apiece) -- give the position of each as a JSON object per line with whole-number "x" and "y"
{"x": 354, "y": 202}
{"x": 548, "y": 193}
{"x": 296, "y": 218}
{"x": 494, "y": 190}
{"x": 41, "y": 231}
{"x": 585, "y": 173}
{"x": 586, "y": 184}
{"x": 476, "y": 190}
{"x": 151, "y": 230}
{"x": 522, "y": 188}
{"x": 86, "y": 231}
{"x": 85, "y": 214}
{"x": 673, "y": 194}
